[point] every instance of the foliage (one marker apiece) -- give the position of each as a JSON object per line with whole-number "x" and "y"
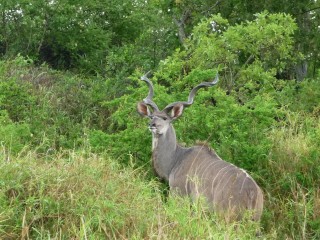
{"x": 306, "y": 12}
{"x": 236, "y": 132}
{"x": 257, "y": 117}
{"x": 244, "y": 142}
{"x": 302, "y": 96}
{"x": 248, "y": 55}
{"x": 84, "y": 36}
{"x": 15, "y": 98}
{"x": 56, "y": 109}
{"x": 13, "y": 136}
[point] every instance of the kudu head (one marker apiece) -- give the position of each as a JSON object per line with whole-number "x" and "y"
{"x": 160, "y": 120}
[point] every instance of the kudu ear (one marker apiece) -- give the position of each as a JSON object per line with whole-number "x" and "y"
{"x": 177, "y": 111}
{"x": 143, "y": 109}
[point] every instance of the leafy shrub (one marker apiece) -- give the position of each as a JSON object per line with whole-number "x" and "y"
{"x": 236, "y": 131}
{"x": 127, "y": 134}
{"x": 248, "y": 56}
{"x": 302, "y": 96}
{"x": 57, "y": 107}
{"x": 13, "y": 136}
{"x": 16, "y": 99}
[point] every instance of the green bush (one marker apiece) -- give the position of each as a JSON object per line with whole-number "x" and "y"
{"x": 237, "y": 132}
{"x": 302, "y": 96}
{"x": 13, "y": 136}
{"x": 258, "y": 122}
{"x": 16, "y": 99}
{"x": 57, "y": 107}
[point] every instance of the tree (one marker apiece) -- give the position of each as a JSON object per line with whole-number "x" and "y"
{"x": 305, "y": 12}
{"x": 75, "y": 34}
{"x": 188, "y": 13}
{"x": 248, "y": 55}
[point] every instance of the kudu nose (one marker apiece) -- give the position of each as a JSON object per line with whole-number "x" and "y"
{"x": 152, "y": 125}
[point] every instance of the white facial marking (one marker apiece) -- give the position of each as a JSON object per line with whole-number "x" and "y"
{"x": 154, "y": 141}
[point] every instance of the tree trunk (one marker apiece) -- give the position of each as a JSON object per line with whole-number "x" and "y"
{"x": 181, "y": 26}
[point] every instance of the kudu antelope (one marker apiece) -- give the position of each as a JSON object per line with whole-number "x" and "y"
{"x": 198, "y": 170}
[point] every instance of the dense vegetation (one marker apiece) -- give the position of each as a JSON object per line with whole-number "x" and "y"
{"x": 75, "y": 156}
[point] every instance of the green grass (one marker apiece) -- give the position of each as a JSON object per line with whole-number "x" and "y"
{"x": 87, "y": 196}
{"x": 291, "y": 179}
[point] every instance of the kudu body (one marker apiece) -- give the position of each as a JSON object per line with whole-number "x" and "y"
{"x": 198, "y": 170}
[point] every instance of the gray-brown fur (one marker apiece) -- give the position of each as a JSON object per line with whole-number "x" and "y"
{"x": 198, "y": 170}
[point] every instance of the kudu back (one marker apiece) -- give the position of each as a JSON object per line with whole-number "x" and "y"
{"x": 198, "y": 171}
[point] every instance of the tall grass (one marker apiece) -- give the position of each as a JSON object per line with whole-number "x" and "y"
{"x": 87, "y": 196}
{"x": 81, "y": 195}
{"x": 292, "y": 182}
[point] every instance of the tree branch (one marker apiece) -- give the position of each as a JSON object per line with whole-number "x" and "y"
{"x": 312, "y": 9}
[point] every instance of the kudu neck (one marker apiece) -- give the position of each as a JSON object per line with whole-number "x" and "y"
{"x": 164, "y": 152}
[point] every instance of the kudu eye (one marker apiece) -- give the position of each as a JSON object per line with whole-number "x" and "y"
{"x": 164, "y": 118}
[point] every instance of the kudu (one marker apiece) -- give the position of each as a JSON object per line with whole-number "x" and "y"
{"x": 198, "y": 171}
